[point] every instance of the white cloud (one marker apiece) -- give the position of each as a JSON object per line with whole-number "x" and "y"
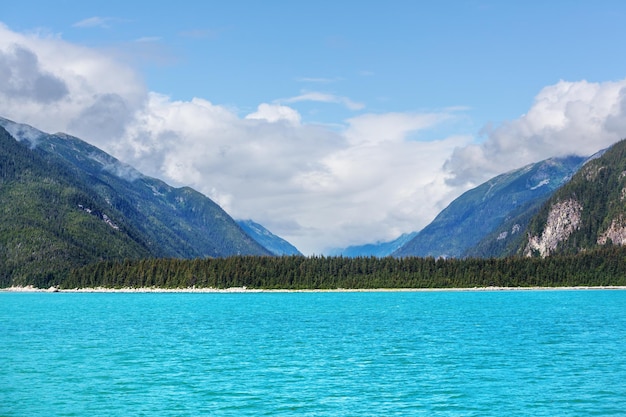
{"x": 371, "y": 179}
{"x": 313, "y": 186}
{"x": 23, "y": 78}
{"x": 565, "y": 118}
{"x": 95, "y": 21}
{"x": 76, "y": 79}
{"x": 273, "y": 113}
{"x": 391, "y": 127}
{"x": 324, "y": 98}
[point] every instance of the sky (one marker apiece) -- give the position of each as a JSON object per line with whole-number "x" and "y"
{"x": 331, "y": 123}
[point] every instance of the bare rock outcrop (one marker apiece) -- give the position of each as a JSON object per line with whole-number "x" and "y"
{"x": 563, "y": 220}
{"x": 616, "y": 233}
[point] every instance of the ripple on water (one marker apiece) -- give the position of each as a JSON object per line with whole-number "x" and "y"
{"x": 313, "y": 354}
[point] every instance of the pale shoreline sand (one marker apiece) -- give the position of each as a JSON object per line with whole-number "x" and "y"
{"x": 31, "y": 289}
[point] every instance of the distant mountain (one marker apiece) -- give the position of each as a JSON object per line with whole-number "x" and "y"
{"x": 275, "y": 244}
{"x": 586, "y": 213}
{"x": 504, "y": 204}
{"x": 379, "y": 249}
{"x": 67, "y": 203}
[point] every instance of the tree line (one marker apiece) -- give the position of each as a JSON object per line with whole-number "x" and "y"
{"x": 602, "y": 267}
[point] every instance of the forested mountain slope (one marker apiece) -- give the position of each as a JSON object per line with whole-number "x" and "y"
{"x": 50, "y": 221}
{"x": 177, "y": 222}
{"x": 66, "y": 203}
{"x": 588, "y": 212}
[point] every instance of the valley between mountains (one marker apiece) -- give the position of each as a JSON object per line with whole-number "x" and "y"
{"x": 68, "y": 205}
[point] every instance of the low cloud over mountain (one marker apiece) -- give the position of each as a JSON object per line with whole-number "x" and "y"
{"x": 374, "y": 177}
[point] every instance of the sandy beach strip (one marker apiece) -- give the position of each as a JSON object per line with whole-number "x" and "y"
{"x": 31, "y": 289}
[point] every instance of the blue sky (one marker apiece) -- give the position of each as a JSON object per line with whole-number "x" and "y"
{"x": 330, "y": 122}
{"x": 491, "y": 57}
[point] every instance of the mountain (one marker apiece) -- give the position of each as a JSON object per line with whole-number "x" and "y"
{"x": 587, "y": 213}
{"x": 50, "y": 221}
{"x": 66, "y": 203}
{"x": 378, "y": 249}
{"x": 509, "y": 200}
{"x": 275, "y": 244}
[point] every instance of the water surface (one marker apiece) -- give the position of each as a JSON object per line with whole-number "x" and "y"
{"x": 540, "y": 353}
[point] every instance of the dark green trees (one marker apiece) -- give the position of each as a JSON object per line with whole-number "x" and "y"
{"x": 606, "y": 266}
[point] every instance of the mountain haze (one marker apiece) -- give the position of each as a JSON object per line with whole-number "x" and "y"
{"x": 378, "y": 249}
{"x": 275, "y": 244}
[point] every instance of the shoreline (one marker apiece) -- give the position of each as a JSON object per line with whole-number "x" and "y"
{"x": 235, "y": 290}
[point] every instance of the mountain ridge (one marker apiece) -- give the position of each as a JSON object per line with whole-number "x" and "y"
{"x": 49, "y": 222}
{"x": 186, "y": 215}
{"x": 155, "y": 219}
{"x": 275, "y": 244}
{"x": 479, "y": 211}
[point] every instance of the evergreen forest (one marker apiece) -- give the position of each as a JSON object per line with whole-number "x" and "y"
{"x": 601, "y": 267}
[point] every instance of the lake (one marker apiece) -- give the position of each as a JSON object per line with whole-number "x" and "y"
{"x": 449, "y": 353}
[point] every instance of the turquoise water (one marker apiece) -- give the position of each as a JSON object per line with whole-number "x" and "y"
{"x": 535, "y": 353}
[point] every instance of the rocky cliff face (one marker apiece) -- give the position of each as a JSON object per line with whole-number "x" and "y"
{"x": 616, "y": 233}
{"x": 563, "y": 219}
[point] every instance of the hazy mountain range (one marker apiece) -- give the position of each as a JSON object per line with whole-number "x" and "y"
{"x": 273, "y": 243}
{"x": 378, "y": 249}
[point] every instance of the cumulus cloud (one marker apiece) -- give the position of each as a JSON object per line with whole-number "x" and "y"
{"x": 372, "y": 178}
{"x": 53, "y": 84}
{"x": 104, "y": 119}
{"x": 565, "y": 118}
{"x": 391, "y": 127}
{"x": 274, "y": 113}
{"x": 21, "y": 77}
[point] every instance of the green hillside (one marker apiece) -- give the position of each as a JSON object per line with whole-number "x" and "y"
{"x": 176, "y": 222}
{"x": 66, "y": 204}
{"x": 51, "y": 222}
